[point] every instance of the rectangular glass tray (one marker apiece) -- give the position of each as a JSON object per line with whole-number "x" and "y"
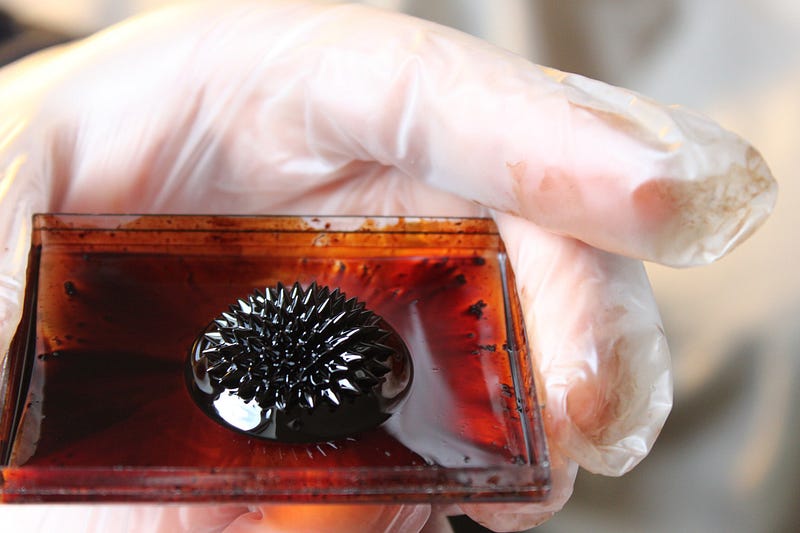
{"x": 95, "y": 402}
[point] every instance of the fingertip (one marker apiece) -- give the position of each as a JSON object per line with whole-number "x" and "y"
{"x": 695, "y": 222}
{"x": 617, "y": 170}
{"x": 597, "y": 344}
{"x": 614, "y": 415}
{"x": 509, "y": 518}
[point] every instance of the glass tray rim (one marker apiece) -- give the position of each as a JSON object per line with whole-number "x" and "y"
{"x": 432, "y": 484}
{"x": 190, "y": 222}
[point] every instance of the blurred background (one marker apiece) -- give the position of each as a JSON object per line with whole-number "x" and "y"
{"x": 728, "y": 458}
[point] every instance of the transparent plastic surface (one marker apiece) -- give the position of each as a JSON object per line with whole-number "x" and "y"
{"x": 96, "y": 406}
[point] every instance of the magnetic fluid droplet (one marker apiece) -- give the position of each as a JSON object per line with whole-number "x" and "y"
{"x": 299, "y": 365}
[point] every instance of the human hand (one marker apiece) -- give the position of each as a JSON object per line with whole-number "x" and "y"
{"x": 297, "y": 108}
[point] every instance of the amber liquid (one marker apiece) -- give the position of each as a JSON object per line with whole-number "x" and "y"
{"x": 114, "y": 326}
{"x": 115, "y": 330}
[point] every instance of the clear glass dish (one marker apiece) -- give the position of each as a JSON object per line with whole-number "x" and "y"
{"x": 96, "y": 406}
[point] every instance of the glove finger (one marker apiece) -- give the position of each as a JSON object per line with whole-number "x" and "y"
{"x": 597, "y": 344}
{"x": 576, "y": 156}
{"x": 19, "y": 199}
{"x": 331, "y": 518}
{"x": 315, "y": 89}
{"x": 120, "y": 518}
{"x": 216, "y": 518}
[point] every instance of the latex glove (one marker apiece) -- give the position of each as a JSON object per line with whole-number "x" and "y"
{"x": 290, "y": 107}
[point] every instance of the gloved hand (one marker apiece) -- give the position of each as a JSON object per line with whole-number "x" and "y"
{"x": 297, "y": 108}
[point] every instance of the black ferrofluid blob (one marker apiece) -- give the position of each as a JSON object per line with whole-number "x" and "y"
{"x": 299, "y": 366}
